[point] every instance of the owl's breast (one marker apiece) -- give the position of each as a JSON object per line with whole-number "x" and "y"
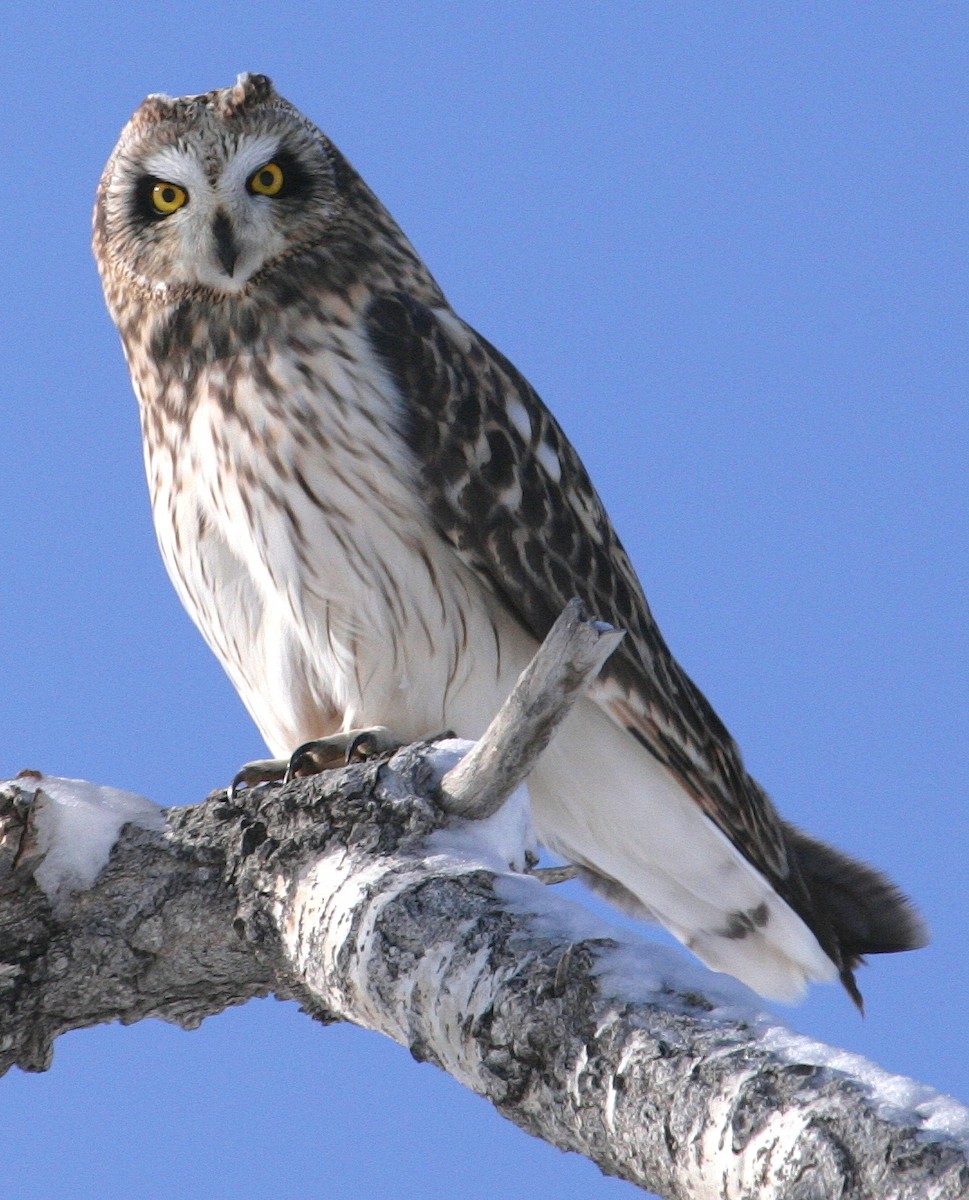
{"x": 291, "y": 520}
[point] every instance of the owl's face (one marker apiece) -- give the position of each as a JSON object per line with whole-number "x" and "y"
{"x": 209, "y": 191}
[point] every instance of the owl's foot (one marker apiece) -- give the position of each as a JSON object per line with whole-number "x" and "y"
{"x": 553, "y": 875}
{"x": 356, "y": 745}
{"x": 321, "y": 754}
{"x": 260, "y": 770}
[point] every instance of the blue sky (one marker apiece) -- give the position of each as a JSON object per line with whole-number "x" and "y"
{"x": 726, "y": 242}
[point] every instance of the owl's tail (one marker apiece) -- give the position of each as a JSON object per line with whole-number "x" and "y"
{"x": 865, "y": 911}
{"x": 603, "y": 802}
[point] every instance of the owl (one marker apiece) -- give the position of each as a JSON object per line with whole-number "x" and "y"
{"x": 374, "y": 520}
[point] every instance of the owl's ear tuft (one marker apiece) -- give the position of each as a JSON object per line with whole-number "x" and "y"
{"x": 249, "y": 89}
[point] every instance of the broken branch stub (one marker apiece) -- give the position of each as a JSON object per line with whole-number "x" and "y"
{"x": 566, "y": 662}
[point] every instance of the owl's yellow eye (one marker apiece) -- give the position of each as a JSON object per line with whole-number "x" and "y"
{"x": 268, "y": 180}
{"x": 168, "y": 198}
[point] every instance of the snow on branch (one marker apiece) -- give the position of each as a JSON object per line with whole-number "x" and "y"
{"x": 356, "y": 894}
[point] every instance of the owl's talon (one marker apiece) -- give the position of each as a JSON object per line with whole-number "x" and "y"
{"x": 260, "y": 770}
{"x": 552, "y": 875}
{"x": 326, "y": 754}
{"x": 371, "y": 743}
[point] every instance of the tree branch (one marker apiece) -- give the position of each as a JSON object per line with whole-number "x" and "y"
{"x": 341, "y": 892}
{"x": 355, "y": 894}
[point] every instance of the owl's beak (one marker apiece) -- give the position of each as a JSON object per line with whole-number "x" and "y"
{"x": 226, "y": 247}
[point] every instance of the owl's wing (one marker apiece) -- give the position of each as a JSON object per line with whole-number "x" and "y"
{"x": 510, "y": 494}
{"x": 506, "y": 489}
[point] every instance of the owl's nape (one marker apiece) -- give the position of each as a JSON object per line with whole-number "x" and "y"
{"x": 374, "y": 520}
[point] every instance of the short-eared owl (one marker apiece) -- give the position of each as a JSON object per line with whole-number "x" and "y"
{"x": 373, "y": 519}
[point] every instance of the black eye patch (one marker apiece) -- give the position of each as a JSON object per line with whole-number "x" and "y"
{"x": 144, "y": 206}
{"x": 296, "y": 181}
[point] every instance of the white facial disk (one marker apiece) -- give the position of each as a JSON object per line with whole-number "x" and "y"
{"x": 225, "y": 231}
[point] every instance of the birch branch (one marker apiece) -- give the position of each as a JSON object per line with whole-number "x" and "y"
{"x": 346, "y": 893}
{"x": 354, "y": 894}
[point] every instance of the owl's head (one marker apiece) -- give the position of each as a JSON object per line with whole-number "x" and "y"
{"x": 209, "y": 191}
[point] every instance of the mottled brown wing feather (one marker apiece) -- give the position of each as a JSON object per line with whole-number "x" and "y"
{"x": 540, "y": 540}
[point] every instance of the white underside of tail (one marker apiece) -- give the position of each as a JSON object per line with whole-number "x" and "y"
{"x": 602, "y": 801}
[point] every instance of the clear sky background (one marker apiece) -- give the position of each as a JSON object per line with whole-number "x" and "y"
{"x": 727, "y": 243}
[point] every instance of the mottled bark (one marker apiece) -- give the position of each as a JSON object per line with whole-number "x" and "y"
{"x": 327, "y": 890}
